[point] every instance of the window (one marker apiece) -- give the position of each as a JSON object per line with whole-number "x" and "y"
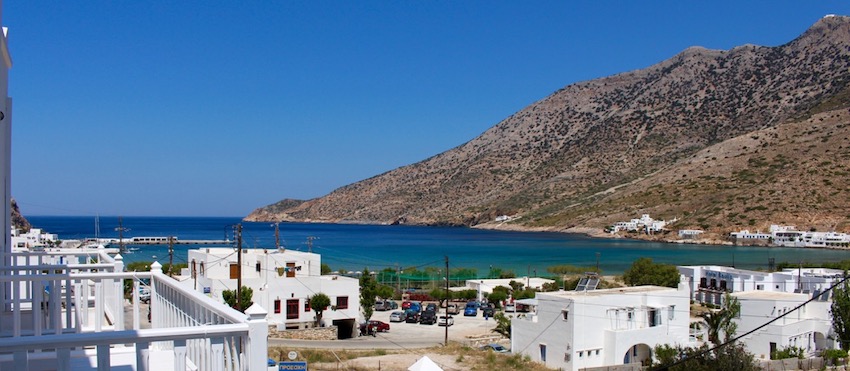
{"x": 292, "y": 309}
{"x": 671, "y": 312}
{"x": 234, "y": 271}
{"x": 713, "y": 284}
{"x": 703, "y": 282}
{"x": 342, "y": 302}
{"x": 307, "y": 305}
{"x": 258, "y": 267}
{"x": 566, "y": 314}
{"x": 277, "y": 306}
{"x": 202, "y": 268}
{"x": 194, "y": 271}
{"x": 581, "y": 354}
{"x": 543, "y": 353}
{"x": 290, "y": 269}
{"x": 759, "y": 287}
{"x": 723, "y": 285}
{"x": 653, "y": 318}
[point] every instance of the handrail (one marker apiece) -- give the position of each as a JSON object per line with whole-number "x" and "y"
{"x": 230, "y": 314}
{"x": 120, "y": 337}
{"x": 57, "y": 266}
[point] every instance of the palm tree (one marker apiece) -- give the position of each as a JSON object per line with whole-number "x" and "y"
{"x": 722, "y": 320}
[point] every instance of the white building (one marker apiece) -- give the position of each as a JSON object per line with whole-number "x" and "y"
{"x": 281, "y": 280}
{"x": 65, "y": 310}
{"x": 808, "y": 328}
{"x": 487, "y": 285}
{"x": 709, "y": 284}
{"x": 35, "y": 238}
{"x": 572, "y": 330}
{"x": 645, "y": 224}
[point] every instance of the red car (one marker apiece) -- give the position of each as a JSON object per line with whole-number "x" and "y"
{"x": 405, "y": 305}
{"x": 380, "y": 326}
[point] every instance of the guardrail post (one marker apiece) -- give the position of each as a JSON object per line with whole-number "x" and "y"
{"x": 21, "y": 360}
{"x": 256, "y": 349}
{"x": 180, "y": 355}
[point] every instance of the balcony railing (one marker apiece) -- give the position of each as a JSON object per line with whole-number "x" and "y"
{"x": 56, "y": 313}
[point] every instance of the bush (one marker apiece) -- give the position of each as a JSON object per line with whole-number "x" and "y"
{"x": 789, "y": 352}
{"x": 831, "y": 356}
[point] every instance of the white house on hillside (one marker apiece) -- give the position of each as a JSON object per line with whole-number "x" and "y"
{"x": 282, "y": 281}
{"x": 572, "y": 330}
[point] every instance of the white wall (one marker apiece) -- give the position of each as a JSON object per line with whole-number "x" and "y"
{"x": 598, "y": 331}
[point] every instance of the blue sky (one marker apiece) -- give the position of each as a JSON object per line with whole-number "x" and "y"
{"x": 214, "y": 108}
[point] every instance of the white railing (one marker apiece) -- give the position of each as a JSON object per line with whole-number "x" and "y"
{"x": 81, "y": 309}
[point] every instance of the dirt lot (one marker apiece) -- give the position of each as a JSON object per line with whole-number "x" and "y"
{"x": 405, "y": 343}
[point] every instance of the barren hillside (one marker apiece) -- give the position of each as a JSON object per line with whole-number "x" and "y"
{"x": 645, "y": 134}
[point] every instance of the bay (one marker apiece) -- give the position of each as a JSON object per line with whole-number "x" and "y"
{"x": 355, "y": 247}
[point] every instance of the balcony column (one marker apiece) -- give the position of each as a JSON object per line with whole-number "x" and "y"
{"x": 103, "y": 361}
{"x": 216, "y": 353}
{"x": 180, "y": 355}
{"x": 256, "y": 343}
{"x": 63, "y": 359}
{"x": 143, "y": 357}
{"x": 119, "y": 293}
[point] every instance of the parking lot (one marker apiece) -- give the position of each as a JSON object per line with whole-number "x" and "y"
{"x": 464, "y": 328}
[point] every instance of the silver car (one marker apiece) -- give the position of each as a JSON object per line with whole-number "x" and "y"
{"x": 397, "y": 317}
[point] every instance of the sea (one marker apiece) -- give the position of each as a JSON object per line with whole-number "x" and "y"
{"x": 352, "y": 247}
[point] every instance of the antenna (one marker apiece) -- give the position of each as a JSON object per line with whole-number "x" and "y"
{"x": 310, "y": 243}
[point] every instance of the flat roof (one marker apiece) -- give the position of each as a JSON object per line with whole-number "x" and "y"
{"x": 772, "y": 295}
{"x": 612, "y": 291}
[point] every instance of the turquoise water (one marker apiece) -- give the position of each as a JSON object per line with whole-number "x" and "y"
{"x": 354, "y": 247}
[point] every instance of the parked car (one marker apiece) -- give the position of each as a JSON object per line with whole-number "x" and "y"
{"x": 489, "y": 311}
{"x": 416, "y": 306}
{"x": 405, "y": 305}
{"x": 393, "y": 305}
{"x": 495, "y": 347}
{"x": 452, "y": 309}
{"x": 510, "y": 307}
{"x": 428, "y": 317}
{"x": 397, "y": 317}
{"x": 470, "y": 310}
{"x": 446, "y": 321}
{"x": 411, "y": 316}
{"x": 379, "y": 326}
{"x": 381, "y": 305}
{"x": 431, "y": 307}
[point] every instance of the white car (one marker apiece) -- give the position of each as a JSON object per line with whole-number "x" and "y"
{"x": 397, "y": 317}
{"x": 510, "y": 307}
{"x": 446, "y": 321}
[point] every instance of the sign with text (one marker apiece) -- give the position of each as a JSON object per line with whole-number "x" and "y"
{"x": 292, "y": 366}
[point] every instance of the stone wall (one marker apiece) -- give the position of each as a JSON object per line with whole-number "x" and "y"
{"x": 315, "y": 333}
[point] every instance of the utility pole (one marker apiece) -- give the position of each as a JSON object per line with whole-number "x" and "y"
{"x": 398, "y": 278}
{"x": 277, "y": 236}
{"x": 170, "y": 254}
{"x": 310, "y": 243}
{"x": 239, "y": 267}
{"x": 446, "y": 339}
{"x": 120, "y": 235}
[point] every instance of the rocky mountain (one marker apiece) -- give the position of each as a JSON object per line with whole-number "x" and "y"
{"x": 613, "y": 147}
{"x": 18, "y": 220}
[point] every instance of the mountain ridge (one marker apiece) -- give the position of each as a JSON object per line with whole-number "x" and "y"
{"x": 597, "y": 134}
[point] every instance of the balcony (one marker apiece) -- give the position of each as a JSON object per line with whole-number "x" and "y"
{"x": 64, "y": 314}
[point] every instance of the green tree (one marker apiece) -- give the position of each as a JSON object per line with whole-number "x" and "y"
{"x": 497, "y": 297}
{"x": 368, "y": 292}
{"x": 441, "y": 295}
{"x": 722, "y": 320}
{"x": 140, "y": 266}
{"x": 326, "y": 269}
{"x": 503, "y": 325}
{"x": 840, "y": 310}
{"x": 644, "y": 272}
{"x": 319, "y": 302}
{"x": 229, "y": 297}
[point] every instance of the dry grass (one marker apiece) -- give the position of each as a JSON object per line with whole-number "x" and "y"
{"x": 453, "y": 357}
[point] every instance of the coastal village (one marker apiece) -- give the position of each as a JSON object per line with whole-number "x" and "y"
{"x": 83, "y": 305}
